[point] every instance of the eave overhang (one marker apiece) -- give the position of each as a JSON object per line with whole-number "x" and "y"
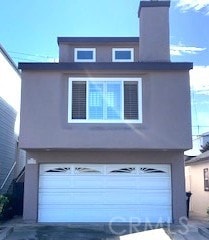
{"x": 97, "y": 40}
{"x": 9, "y": 59}
{"x": 107, "y": 66}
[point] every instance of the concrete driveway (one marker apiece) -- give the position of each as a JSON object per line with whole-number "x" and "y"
{"x": 82, "y": 232}
{"x": 17, "y": 230}
{"x": 56, "y": 233}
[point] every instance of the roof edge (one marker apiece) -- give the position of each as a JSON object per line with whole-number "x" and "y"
{"x": 96, "y": 39}
{"x": 200, "y": 158}
{"x": 4, "y": 52}
{"x": 133, "y": 66}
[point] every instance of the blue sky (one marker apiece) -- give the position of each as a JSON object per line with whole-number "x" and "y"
{"x": 29, "y": 31}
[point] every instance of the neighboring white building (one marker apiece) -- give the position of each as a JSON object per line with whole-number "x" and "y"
{"x": 197, "y": 182}
{"x": 10, "y": 80}
{"x": 10, "y": 87}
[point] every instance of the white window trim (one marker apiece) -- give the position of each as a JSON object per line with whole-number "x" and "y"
{"x": 122, "y": 49}
{"x": 76, "y": 50}
{"x": 70, "y": 120}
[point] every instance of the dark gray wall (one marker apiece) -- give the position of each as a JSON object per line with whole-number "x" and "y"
{"x": 166, "y": 114}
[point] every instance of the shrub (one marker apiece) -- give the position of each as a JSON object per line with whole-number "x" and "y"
{"x": 6, "y": 210}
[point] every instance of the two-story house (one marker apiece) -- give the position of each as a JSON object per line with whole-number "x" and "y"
{"x": 11, "y": 159}
{"x": 105, "y": 128}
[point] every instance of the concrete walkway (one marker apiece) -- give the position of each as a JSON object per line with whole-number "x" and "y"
{"x": 16, "y": 229}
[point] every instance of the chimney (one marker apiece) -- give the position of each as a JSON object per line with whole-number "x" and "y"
{"x": 154, "y": 43}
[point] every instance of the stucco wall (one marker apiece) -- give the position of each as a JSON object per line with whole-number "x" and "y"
{"x": 165, "y": 105}
{"x": 154, "y": 33}
{"x": 103, "y": 52}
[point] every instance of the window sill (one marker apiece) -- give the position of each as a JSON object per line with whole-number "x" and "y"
{"x": 106, "y": 126}
{"x": 106, "y": 121}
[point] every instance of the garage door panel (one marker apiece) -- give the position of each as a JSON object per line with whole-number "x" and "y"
{"x": 88, "y": 182}
{"x": 139, "y": 182}
{"x": 136, "y": 169}
{"x": 110, "y": 169}
{"x": 154, "y": 183}
{"x": 122, "y": 182}
{"x": 55, "y": 182}
{"x": 73, "y": 198}
{"x": 95, "y": 198}
{"x": 102, "y": 197}
{"x": 103, "y": 182}
{"x": 99, "y": 193}
{"x": 113, "y": 213}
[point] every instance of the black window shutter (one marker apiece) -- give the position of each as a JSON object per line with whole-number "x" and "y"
{"x": 78, "y": 100}
{"x": 131, "y": 100}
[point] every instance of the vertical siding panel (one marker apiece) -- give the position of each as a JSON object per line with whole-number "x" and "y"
{"x": 8, "y": 142}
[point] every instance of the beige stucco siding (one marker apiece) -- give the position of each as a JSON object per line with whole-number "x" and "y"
{"x": 195, "y": 180}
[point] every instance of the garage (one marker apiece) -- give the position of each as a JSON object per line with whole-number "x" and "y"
{"x": 104, "y": 193}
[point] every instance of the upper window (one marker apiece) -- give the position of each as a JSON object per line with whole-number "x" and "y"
{"x": 122, "y": 54}
{"x": 105, "y": 100}
{"x": 85, "y": 55}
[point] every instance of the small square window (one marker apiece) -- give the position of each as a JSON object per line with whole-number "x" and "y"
{"x": 85, "y": 55}
{"x": 122, "y": 54}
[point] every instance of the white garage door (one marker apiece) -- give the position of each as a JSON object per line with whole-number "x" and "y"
{"x": 104, "y": 193}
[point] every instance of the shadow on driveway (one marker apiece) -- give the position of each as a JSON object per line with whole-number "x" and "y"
{"x": 72, "y": 231}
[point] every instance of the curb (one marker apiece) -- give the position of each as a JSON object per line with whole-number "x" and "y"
{"x": 5, "y": 231}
